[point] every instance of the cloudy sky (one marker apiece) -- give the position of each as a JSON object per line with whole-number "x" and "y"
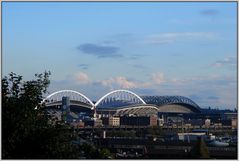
{"x": 150, "y": 48}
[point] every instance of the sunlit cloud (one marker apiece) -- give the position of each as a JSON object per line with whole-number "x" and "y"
{"x": 222, "y": 91}
{"x": 124, "y": 83}
{"x": 81, "y": 78}
{"x": 158, "y": 78}
{"x": 120, "y": 82}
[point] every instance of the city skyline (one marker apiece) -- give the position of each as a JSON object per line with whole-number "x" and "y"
{"x": 151, "y": 48}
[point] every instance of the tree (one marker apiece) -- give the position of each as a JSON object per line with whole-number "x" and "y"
{"x": 90, "y": 151}
{"x": 200, "y": 150}
{"x": 105, "y": 154}
{"x": 26, "y": 133}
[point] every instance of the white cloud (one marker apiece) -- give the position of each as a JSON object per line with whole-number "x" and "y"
{"x": 171, "y": 37}
{"x": 107, "y": 82}
{"x": 222, "y": 87}
{"x": 124, "y": 83}
{"x": 229, "y": 61}
{"x": 81, "y": 78}
{"x": 119, "y": 82}
{"x": 157, "y": 78}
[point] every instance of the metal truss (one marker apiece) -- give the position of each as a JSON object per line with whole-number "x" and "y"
{"x": 164, "y": 100}
{"x": 74, "y": 96}
{"x": 123, "y": 97}
{"x": 124, "y": 101}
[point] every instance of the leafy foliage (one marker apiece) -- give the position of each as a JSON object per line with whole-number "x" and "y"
{"x": 121, "y": 133}
{"x": 25, "y": 129}
{"x": 92, "y": 152}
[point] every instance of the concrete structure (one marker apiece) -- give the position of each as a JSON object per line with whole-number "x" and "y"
{"x": 153, "y": 120}
{"x": 175, "y": 110}
{"x": 114, "y": 121}
{"x": 135, "y": 120}
{"x": 79, "y": 124}
{"x": 207, "y": 123}
{"x": 104, "y": 134}
{"x": 123, "y": 102}
{"x": 175, "y": 104}
{"x": 160, "y": 122}
{"x": 234, "y": 123}
{"x": 105, "y": 121}
{"x": 65, "y": 108}
{"x": 98, "y": 123}
{"x": 193, "y": 136}
{"x": 231, "y": 115}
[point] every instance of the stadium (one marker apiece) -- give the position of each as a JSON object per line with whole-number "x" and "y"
{"x": 121, "y": 103}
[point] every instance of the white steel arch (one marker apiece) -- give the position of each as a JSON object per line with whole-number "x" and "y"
{"x": 120, "y": 90}
{"x": 61, "y": 91}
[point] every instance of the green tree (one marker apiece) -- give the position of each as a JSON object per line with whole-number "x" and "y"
{"x": 105, "y": 154}
{"x": 26, "y": 133}
{"x": 200, "y": 150}
{"x": 92, "y": 152}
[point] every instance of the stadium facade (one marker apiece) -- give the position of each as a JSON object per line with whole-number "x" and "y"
{"x": 123, "y": 102}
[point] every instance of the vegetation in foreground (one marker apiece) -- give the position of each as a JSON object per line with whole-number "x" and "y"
{"x": 26, "y": 132}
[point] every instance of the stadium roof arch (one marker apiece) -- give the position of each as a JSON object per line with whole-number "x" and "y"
{"x": 173, "y": 103}
{"x": 74, "y": 96}
{"x": 120, "y": 95}
{"x": 125, "y": 101}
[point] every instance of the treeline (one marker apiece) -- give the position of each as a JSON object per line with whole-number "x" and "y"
{"x": 26, "y": 132}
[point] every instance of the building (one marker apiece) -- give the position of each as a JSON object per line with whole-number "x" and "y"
{"x": 172, "y": 110}
{"x": 79, "y": 124}
{"x": 230, "y": 115}
{"x": 105, "y": 121}
{"x": 234, "y": 124}
{"x": 89, "y": 122}
{"x": 135, "y": 121}
{"x": 173, "y": 104}
{"x": 124, "y": 102}
{"x": 193, "y": 136}
{"x": 190, "y": 136}
{"x": 160, "y": 122}
{"x": 207, "y": 123}
{"x": 114, "y": 121}
{"x": 65, "y": 108}
{"x": 98, "y": 123}
{"x": 153, "y": 120}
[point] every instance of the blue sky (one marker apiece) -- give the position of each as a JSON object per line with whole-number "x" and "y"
{"x": 151, "y": 48}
